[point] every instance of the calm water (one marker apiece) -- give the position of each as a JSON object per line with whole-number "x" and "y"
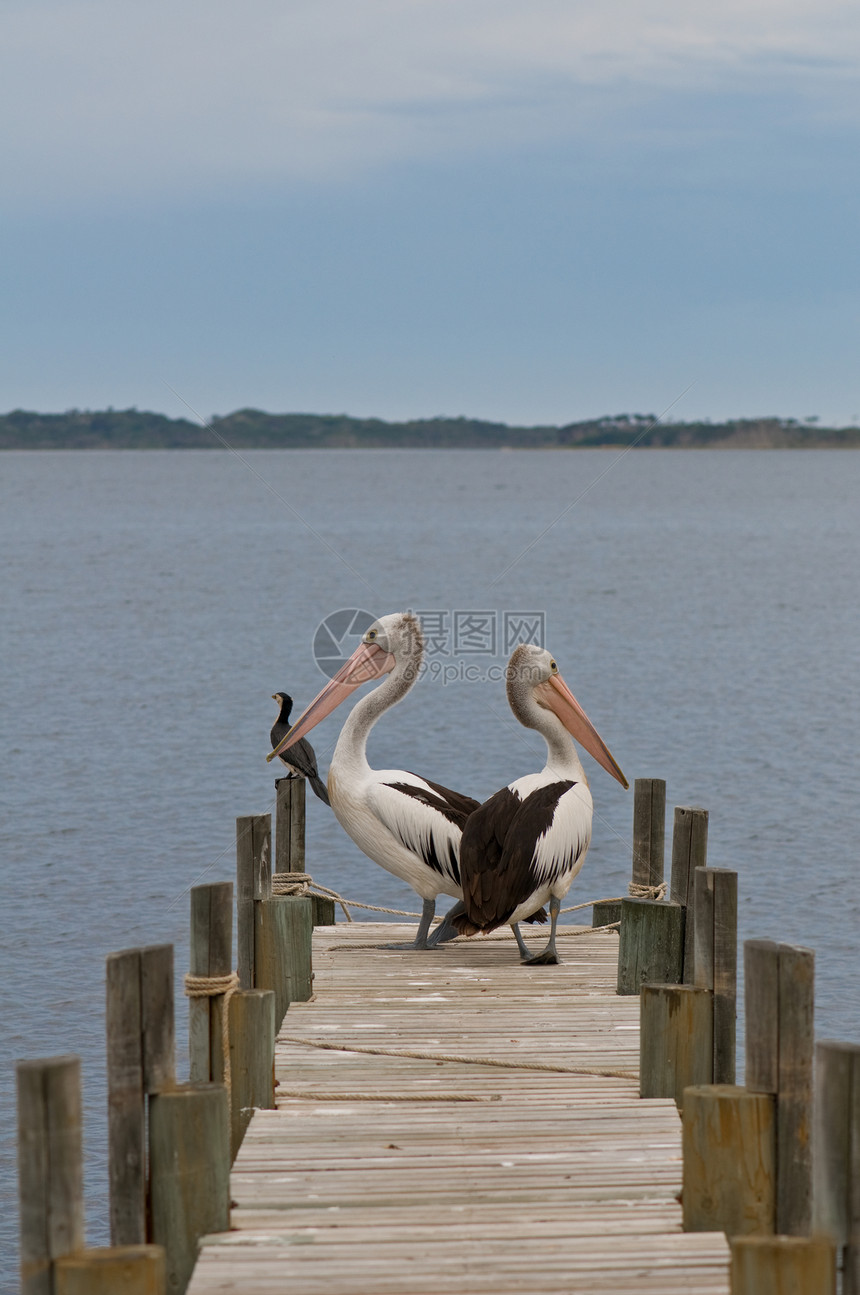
{"x": 703, "y": 605}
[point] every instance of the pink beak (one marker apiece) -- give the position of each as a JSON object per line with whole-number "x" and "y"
{"x": 368, "y": 661}
{"x": 557, "y": 697}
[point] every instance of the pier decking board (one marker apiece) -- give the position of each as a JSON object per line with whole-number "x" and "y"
{"x": 551, "y": 1182}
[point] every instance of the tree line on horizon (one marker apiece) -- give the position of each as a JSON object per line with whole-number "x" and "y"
{"x": 133, "y": 429}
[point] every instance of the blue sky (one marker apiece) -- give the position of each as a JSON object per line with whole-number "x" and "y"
{"x": 536, "y": 212}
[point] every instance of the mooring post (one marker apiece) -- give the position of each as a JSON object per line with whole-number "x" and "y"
{"x": 50, "y": 1167}
{"x": 796, "y": 1264}
{"x": 779, "y": 981}
{"x": 729, "y": 1140}
{"x": 675, "y": 1040}
{"x": 649, "y": 831}
{"x": 133, "y": 1270}
{"x": 253, "y": 883}
{"x": 689, "y": 852}
{"x": 716, "y": 959}
{"x": 211, "y": 956}
{"x": 651, "y": 939}
{"x": 140, "y": 1029}
{"x": 189, "y": 1172}
{"x": 290, "y": 824}
{"x": 836, "y": 1173}
{"x": 252, "y": 1052}
{"x": 283, "y": 938}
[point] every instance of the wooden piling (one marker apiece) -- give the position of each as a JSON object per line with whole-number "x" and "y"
{"x": 675, "y": 1040}
{"x": 50, "y": 1167}
{"x": 716, "y": 959}
{"x": 108, "y": 1270}
{"x": 290, "y": 824}
{"x": 189, "y": 1156}
{"x": 836, "y": 1172}
{"x": 253, "y": 883}
{"x": 252, "y": 1052}
{"x": 783, "y": 1266}
{"x": 211, "y": 955}
{"x": 779, "y": 1052}
{"x": 729, "y": 1141}
{"x": 605, "y": 912}
{"x": 649, "y": 830}
{"x": 282, "y": 942}
{"x": 689, "y": 852}
{"x": 651, "y": 944}
{"x": 140, "y": 1029}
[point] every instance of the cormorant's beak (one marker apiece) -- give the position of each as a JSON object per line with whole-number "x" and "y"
{"x": 368, "y": 661}
{"x": 557, "y": 697}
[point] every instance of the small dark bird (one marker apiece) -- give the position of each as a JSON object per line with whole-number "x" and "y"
{"x": 300, "y": 757}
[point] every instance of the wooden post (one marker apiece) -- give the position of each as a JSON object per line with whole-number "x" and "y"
{"x": 783, "y": 1265}
{"x": 140, "y": 1029}
{"x": 716, "y": 959}
{"x": 252, "y": 1053}
{"x": 605, "y": 912}
{"x": 779, "y": 1049}
{"x": 282, "y": 942}
{"x": 729, "y": 1154}
{"x": 133, "y": 1270}
{"x": 836, "y": 1174}
{"x": 689, "y": 852}
{"x": 675, "y": 1040}
{"x": 651, "y": 944}
{"x": 649, "y": 830}
{"x": 50, "y": 1167}
{"x": 253, "y": 883}
{"x": 290, "y": 825}
{"x": 211, "y": 955}
{"x": 189, "y": 1154}
{"x": 323, "y": 910}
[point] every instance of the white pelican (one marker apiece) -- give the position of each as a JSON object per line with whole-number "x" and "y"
{"x": 525, "y": 845}
{"x": 408, "y": 825}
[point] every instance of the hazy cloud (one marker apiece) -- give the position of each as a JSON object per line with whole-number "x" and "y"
{"x": 120, "y": 98}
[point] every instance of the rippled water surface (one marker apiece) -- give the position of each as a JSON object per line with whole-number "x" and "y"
{"x": 703, "y": 606}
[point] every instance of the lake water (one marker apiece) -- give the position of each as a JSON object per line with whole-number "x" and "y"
{"x": 702, "y": 605}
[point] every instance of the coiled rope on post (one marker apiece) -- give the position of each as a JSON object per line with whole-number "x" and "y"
{"x": 212, "y": 987}
{"x": 637, "y": 891}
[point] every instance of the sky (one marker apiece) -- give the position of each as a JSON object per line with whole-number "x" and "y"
{"x": 536, "y": 211}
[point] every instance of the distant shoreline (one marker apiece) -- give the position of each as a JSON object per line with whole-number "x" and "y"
{"x": 252, "y": 429}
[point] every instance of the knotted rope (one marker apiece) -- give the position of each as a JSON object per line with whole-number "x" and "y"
{"x": 211, "y": 987}
{"x": 417, "y": 1055}
{"x": 636, "y": 891}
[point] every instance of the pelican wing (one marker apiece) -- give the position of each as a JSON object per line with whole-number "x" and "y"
{"x": 426, "y": 818}
{"x": 510, "y": 849}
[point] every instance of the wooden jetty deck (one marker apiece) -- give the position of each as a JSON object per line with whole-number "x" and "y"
{"x": 382, "y": 1174}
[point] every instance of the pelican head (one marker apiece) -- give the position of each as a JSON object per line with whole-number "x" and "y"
{"x": 533, "y": 680}
{"x": 394, "y": 643}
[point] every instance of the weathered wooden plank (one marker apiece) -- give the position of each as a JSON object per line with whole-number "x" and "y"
{"x": 252, "y": 1051}
{"x": 786, "y": 1265}
{"x": 836, "y": 1166}
{"x": 253, "y": 883}
{"x": 689, "y": 852}
{"x": 282, "y": 942}
{"x": 290, "y": 825}
{"x": 649, "y": 830}
{"x": 158, "y": 1029}
{"x": 125, "y": 1094}
{"x": 715, "y": 959}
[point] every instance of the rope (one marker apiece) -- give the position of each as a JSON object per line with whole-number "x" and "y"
{"x": 311, "y": 1095}
{"x": 635, "y": 891}
{"x": 446, "y": 1056}
{"x": 210, "y": 987}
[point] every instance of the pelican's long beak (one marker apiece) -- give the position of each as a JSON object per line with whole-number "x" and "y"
{"x": 368, "y": 661}
{"x": 557, "y": 697}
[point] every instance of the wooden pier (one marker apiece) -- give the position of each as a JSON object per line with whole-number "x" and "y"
{"x": 381, "y": 1173}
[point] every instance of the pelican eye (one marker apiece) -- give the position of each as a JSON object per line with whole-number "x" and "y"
{"x": 370, "y": 636}
{"x": 553, "y": 667}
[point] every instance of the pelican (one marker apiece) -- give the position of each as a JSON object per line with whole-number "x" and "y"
{"x": 302, "y": 758}
{"x": 408, "y": 825}
{"x": 525, "y": 845}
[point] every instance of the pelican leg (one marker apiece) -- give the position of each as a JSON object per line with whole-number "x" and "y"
{"x": 428, "y": 911}
{"x": 446, "y": 930}
{"x": 521, "y": 944}
{"x": 548, "y": 957}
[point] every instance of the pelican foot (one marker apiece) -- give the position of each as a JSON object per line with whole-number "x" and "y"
{"x": 546, "y": 958}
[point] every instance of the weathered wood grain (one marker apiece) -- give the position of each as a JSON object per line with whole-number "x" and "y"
{"x": 784, "y": 1265}
{"x": 649, "y": 830}
{"x": 131, "y": 1270}
{"x": 716, "y": 957}
{"x": 729, "y": 1160}
{"x": 125, "y": 1095}
{"x": 291, "y": 794}
{"x": 252, "y": 1056}
{"x": 253, "y": 883}
{"x": 675, "y": 1040}
{"x": 651, "y": 946}
{"x": 689, "y": 852}
{"x": 836, "y": 1164}
{"x": 211, "y": 954}
{"x": 282, "y": 942}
